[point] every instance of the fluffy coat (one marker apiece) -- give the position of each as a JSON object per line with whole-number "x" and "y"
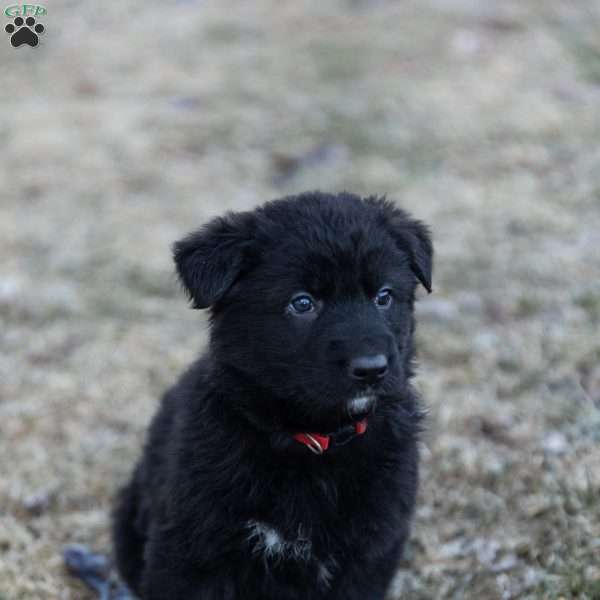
{"x": 225, "y": 504}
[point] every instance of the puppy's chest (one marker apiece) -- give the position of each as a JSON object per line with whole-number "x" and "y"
{"x": 271, "y": 543}
{"x": 300, "y": 528}
{"x": 300, "y": 551}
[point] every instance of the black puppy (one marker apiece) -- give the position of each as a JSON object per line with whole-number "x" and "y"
{"x": 283, "y": 465}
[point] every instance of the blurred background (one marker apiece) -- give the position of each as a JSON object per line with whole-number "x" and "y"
{"x": 133, "y": 122}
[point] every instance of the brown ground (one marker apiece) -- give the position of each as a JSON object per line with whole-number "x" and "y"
{"x": 134, "y": 122}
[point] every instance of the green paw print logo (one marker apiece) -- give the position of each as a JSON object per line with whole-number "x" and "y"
{"x": 24, "y": 29}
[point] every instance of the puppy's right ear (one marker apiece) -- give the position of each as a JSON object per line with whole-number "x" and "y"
{"x": 210, "y": 260}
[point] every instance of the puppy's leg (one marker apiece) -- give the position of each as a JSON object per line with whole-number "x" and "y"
{"x": 128, "y": 542}
{"x": 169, "y": 574}
{"x": 160, "y": 584}
{"x": 368, "y": 579}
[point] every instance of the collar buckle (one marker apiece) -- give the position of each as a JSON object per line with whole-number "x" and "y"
{"x": 317, "y": 443}
{"x": 313, "y": 444}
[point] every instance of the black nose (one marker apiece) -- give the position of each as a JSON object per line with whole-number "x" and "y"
{"x": 368, "y": 368}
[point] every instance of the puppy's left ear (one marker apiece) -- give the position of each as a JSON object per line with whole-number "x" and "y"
{"x": 210, "y": 260}
{"x": 411, "y": 236}
{"x": 414, "y": 238}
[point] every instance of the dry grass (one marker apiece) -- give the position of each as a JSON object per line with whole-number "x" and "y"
{"x": 132, "y": 124}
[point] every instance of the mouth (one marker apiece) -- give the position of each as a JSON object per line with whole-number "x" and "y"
{"x": 361, "y": 407}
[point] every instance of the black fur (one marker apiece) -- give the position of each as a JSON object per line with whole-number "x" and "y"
{"x": 220, "y": 455}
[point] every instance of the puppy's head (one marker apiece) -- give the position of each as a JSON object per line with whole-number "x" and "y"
{"x": 311, "y": 302}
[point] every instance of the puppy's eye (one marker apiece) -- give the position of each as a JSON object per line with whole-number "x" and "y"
{"x": 302, "y": 304}
{"x": 383, "y": 299}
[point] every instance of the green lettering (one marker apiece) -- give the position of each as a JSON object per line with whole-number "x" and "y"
{"x": 12, "y": 11}
{"x": 40, "y": 10}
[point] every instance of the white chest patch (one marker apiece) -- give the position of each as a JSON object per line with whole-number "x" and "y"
{"x": 269, "y": 542}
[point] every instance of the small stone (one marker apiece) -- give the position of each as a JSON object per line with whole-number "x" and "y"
{"x": 37, "y": 504}
{"x": 9, "y": 289}
{"x": 486, "y": 550}
{"x": 454, "y": 548}
{"x": 505, "y": 564}
{"x": 556, "y": 443}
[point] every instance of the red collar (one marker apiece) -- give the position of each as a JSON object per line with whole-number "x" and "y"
{"x": 318, "y": 443}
